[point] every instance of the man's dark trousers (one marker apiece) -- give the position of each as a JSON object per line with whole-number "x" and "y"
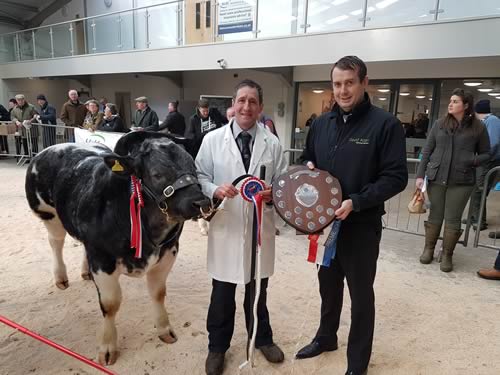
{"x": 355, "y": 260}
{"x": 220, "y": 320}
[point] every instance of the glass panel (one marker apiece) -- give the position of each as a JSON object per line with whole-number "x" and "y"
{"x": 140, "y": 29}
{"x": 42, "y": 43}
{"x": 450, "y": 9}
{"x": 26, "y": 45}
{"x": 399, "y": 12}
{"x": 163, "y": 26}
{"x": 62, "y": 40}
{"x": 126, "y": 22}
{"x": 328, "y": 15}
{"x": 414, "y": 112}
{"x": 380, "y": 95}
{"x": 283, "y": 21}
{"x": 489, "y": 89}
{"x": 7, "y": 48}
{"x": 313, "y": 100}
{"x": 79, "y": 38}
{"x": 106, "y": 37}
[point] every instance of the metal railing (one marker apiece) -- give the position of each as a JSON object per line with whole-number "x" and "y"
{"x": 176, "y": 23}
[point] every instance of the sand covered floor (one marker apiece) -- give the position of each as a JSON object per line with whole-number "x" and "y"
{"x": 427, "y": 322}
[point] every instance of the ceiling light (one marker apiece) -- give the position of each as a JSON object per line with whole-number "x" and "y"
{"x": 404, "y": 93}
{"x": 357, "y": 12}
{"x": 484, "y": 90}
{"x": 473, "y": 83}
{"x": 382, "y": 98}
{"x": 318, "y": 91}
{"x": 494, "y": 93}
{"x": 430, "y": 98}
{"x": 338, "y": 2}
{"x": 385, "y": 3}
{"x": 420, "y": 96}
{"x": 383, "y": 90}
{"x": 497, "y": 97}
{"x": 337, "y": 19}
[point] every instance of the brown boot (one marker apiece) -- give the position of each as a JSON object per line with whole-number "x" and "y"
{"x": 450, "y": 239}
{"x": 490, "y": 274}
{"x": 431, "y": 236}
{"x": 214, "y": 364}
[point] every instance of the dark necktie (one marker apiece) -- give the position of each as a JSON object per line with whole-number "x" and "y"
{"x": 246, "y": 154}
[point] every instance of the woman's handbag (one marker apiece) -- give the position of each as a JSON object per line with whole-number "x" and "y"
{"x": 416, "y": 205}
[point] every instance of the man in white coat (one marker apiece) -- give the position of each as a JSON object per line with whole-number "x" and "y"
{"x": 227, "y": 153}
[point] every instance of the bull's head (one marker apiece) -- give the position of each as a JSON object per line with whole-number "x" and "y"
{"x": 167, "y": 172}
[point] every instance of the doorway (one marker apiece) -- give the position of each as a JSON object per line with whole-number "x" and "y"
{"x": 123, "y": 101}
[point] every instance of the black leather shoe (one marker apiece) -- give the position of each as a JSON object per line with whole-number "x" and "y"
{"x": 214, "y": 364}
{"x": 351, "y": 372}
{"x": 314, "y": 349}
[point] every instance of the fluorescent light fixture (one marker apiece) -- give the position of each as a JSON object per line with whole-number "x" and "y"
{"x": 404, "y": 93}
{"x": 385, "y": 3}
{"x": 430, "y": 99}
{"x": 420, "y": 96}
{"x": 473, "y": 83}
{"x": 337, "y": 19}
{"x": 497, "y": 97}
{"x": 484, "y": 90}
{"x": 383, "y": 90}
{"x": 338, "y": 2}
{"x": 423, "y": 15}
{"x": 382, "y": 99}
{"x": 318, "y": 10}
{"x": 494, "y": 93}
{"x": 370, "y": 9}
{"x": 318, "y": 91}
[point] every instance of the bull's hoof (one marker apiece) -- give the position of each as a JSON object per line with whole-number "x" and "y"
{"x": 86, "y": 276}
{"x": 64, "y": 284}
{"x": 168, "y": 337}
{"x": 107, "y": 358}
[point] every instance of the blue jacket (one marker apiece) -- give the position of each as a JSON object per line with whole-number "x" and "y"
{"x": 492, "y": 124}
{"x": 48, "y": 114}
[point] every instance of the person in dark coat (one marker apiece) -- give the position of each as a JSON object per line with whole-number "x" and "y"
{"x": 201, "y": 123}
{"x": 364, "y": 147}
{"x": 174, "y": 122}
{"x": 47, "y": 115}
{"x": 144, "y": 118}
{"x": 4, "y": 116}
{"x": 451, "y": 175}
{"x": 112, "y": 122}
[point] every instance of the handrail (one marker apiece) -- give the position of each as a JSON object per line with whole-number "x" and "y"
{"x": 92, "y": 17}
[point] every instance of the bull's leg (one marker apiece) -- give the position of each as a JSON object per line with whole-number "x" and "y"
{"x": 85, "y": 267}
{"x": 110, "y": 297}
{"x": 57, "y": 233}
{"x": 156, "y": 278}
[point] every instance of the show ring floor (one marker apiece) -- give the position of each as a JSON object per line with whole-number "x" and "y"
{"x": 428, "y": 322}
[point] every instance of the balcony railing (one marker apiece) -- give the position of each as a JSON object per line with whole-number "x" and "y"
{"x": 178, "y": 23}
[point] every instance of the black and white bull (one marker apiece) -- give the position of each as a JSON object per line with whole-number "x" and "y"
{"x": 84, "y": 190}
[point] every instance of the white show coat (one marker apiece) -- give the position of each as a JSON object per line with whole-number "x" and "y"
{"x": 219, "y": 161}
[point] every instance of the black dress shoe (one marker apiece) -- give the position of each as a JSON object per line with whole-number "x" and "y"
{"x": 351, "y": 372}
{"x": 314, "y": 349}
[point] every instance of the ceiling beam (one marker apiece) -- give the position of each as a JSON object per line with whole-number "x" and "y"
{"x": 10, "y": 20}
{"x": 25, "y": 7}
{"x": 46, "y": 12}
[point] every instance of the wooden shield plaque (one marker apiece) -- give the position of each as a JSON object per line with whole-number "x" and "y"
{"x": 307, "y": 199}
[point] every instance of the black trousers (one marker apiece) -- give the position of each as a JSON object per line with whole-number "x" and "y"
{"x": 355, "y": 260}
{"x": 220, "y": 319}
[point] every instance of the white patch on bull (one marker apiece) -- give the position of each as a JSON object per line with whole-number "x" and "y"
{"x": 157, "y": 288}
{"x": 138, "y": 272}
{"x": 34, "y": 171}
{"x": 110, "y": 297}
{"x": 44, "y": 206}
{"x": 57, "y": 234}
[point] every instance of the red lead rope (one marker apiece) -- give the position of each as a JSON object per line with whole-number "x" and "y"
{"x": 136, "y": 202}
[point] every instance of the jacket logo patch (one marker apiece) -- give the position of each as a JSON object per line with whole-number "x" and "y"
{"x": 360, "y": 141}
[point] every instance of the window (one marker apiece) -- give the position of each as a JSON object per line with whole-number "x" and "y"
{"x": 198, "y": 16}
{"x": 208, "y": 14}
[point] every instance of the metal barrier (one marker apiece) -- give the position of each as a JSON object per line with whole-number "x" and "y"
{"x": 25, "y": 142}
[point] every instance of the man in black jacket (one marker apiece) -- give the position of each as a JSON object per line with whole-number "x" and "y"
{"x": 174, "y": 122}
{"x": 47, "y": 116}
{"x": 201, "y": 123}
{"x": 144, "y": 118}
{"x": 364, "y": 147}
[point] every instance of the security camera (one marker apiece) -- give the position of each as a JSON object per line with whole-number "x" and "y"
{"x": 222, "y": 63}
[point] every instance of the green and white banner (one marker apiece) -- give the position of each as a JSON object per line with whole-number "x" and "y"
{"x": 106, "y": 138}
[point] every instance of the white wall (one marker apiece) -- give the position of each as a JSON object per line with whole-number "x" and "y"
{"x": 159, "y": 90}
{"x": 74, "y": 9}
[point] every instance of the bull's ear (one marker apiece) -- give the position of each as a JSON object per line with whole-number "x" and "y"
{"x": 121, "y": 165}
